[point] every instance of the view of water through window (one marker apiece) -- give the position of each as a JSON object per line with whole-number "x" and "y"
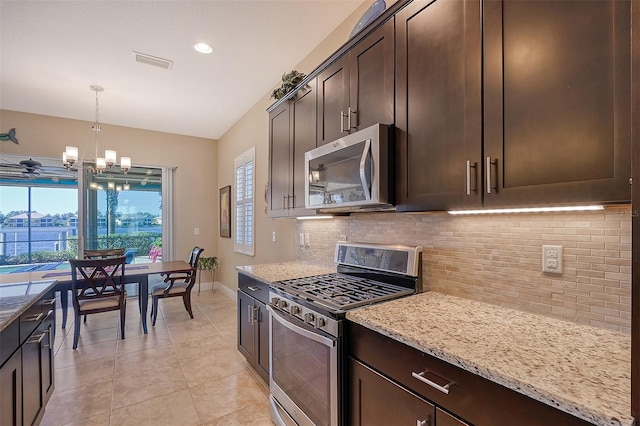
{"x": 39, "y": 222}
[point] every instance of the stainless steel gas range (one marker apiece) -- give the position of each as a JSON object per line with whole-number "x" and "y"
{"x": 306, "y": 319}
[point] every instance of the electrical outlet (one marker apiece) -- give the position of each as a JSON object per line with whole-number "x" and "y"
{"x": 196, "y": 231}
{"x": 306, "y": 239}
{"x": 343, "y": 237}
{"x": 273, "y": 236}
{"x": 301, "y": 239}
{"x": 552, "y": 259}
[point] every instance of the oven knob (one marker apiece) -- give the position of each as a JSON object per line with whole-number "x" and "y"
{"x": 320, "y": 322}
{"x": 309, "y": 318}
{"x": 283, "y": 304}
{"x": 295, "y": 310}
{"x": 275, "y": 301}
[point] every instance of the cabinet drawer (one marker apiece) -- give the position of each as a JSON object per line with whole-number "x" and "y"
{"x": 254, "y": 288}
{"x": 469, "y": 396}
{"x": 9, "y": 341}
{"x": 30, "y": 320}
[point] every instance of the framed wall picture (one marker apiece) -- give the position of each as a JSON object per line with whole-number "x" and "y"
{"x": 225, "y": 211}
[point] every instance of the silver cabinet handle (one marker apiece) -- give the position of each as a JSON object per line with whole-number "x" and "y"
{"x": 49, "y": 302}
{"x": 34, "y": 317}
{"x": 420, "y": 376}
{"x": 342, "y": 129}
{"x": 422, "y": 422}
{"x": 253, "y": 288}
{"x": 490, "y": 186}
{"x": 36, "y": 339}
{"x": 250, "y": 313}
{"x": 349, "y": 112}
{"x": 474, "y": 166}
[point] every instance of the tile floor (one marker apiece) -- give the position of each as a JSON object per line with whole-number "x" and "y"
{"x": 184, "y": 372}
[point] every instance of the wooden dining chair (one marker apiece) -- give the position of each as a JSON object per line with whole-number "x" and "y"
{"x": 177, "y": 284}
{"x": 97, "y": 285}
{"x": 101, "y": 254}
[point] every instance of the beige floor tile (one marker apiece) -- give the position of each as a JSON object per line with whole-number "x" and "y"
{"x": 218, "y": 398}
{"x": 101, "y": 419}
{"x": 173, "y": 409}
{"x": 220, "y": 363}
{"x": 257, "y": 415}
{"x": 150, "y": 359}
{"x": 98, "y": 353}
{"x": 78, "y": 403}
{"x": 144, "y": 379}
{"x": 137, "y": 387}
{"x": 84, "y": 373}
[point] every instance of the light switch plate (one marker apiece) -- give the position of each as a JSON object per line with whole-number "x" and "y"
{"x": 273, "y": 236}
{"x": 552, "y": 259}
{"x": 301, "y": 239}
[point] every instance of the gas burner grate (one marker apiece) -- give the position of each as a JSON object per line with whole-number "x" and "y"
{"x": 340, "y": 291}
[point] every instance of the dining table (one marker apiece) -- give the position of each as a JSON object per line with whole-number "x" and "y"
{"x": 133, "y": 274}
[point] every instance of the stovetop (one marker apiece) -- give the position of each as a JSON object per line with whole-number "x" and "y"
{"x": 340, "y": 291}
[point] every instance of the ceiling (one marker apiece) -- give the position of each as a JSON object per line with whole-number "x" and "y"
{"x": 52, "y": 51}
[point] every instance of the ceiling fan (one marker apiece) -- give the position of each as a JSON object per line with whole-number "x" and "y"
{"x": 32, "y": 169}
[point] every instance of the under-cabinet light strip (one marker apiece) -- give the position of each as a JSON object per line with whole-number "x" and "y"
{"x": 313, "y": 217}
{"x": 529, "y": 210}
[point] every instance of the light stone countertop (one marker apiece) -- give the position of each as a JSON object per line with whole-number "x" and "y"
{"x": 583, "y": 370}
{"x": 272, "y": 272}
{"x": 17, "y": 298}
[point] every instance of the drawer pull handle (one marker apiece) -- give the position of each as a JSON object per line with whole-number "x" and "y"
{"x": 49, "y": 302}
{"x": 422, "y": 422}
{"x": 420, "y": 376}
{"x": 34, "y": 317}
{"x": 36, "y": 339}
{"x": 253, "y": 288}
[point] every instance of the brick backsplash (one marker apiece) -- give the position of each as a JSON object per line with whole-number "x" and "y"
{"x": 498, "y": 258}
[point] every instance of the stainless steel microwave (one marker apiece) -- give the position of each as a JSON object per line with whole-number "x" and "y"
{"x": 352, "y": 173}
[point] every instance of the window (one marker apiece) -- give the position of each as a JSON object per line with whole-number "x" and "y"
{"x": 244, "y": 202}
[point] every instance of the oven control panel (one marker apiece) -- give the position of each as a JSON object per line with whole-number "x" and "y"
{"x": 303, "y": 313}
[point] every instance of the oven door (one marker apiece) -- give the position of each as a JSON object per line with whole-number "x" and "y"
{"x": 304, "y": 372}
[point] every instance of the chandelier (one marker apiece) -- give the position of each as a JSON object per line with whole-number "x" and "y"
{"x": 70, "y": 155}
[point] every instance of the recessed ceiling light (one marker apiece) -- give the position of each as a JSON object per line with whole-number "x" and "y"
{"x": 203, "y": 47}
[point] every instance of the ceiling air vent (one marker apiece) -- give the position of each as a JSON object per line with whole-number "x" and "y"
{"x": 143, "y": 58}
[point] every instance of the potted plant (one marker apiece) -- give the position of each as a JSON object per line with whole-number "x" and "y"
{"x": 289, "y": 82}
{"x": 207, "y": 264}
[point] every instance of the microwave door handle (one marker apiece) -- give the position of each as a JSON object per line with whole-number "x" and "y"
{"x": 363, "y": 162}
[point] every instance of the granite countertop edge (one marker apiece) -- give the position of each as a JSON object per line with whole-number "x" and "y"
{"x": 22, "y": 307}
{"x": 575, "y": 408}
{"x": 272, "y": 272}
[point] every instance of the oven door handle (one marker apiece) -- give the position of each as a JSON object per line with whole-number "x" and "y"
{"x": 364, "y": 179}
{"x": 302, "y": 331}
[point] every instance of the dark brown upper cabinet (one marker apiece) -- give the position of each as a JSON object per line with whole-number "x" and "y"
{"x": 292, "y": 132}
{"x": 557, "y": 102}
{"x": 554, "y": 127}
{"x": 438, "y": 105}
{"x": 356, "y": 91}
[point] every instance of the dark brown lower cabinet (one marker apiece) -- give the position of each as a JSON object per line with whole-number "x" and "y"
{"x": 372, "y": 395}
{"x": 253, "y": 324}
{"x": 389, "y": 380}
{"x": 11, "y": 390}
{"x": 27, "y": 375}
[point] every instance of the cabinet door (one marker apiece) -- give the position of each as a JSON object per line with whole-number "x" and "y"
{"x": 445, "y": 419}
{"x": 375, "y": 400}
{"x": 262, "y": 341}
{"x": 11, "y": 390}
{"x": 246, "y": 333}
{"x": 303, "y": 136}
{"x": 371, "y": 64}
{"x": 46, "y": 356}
{"x": 333, "y": 101}
{"x": 438, "y": 105}
{"x": 32, "y": 400}
{"x": 279, "y": 161}
{"x": 557, "y": 101}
